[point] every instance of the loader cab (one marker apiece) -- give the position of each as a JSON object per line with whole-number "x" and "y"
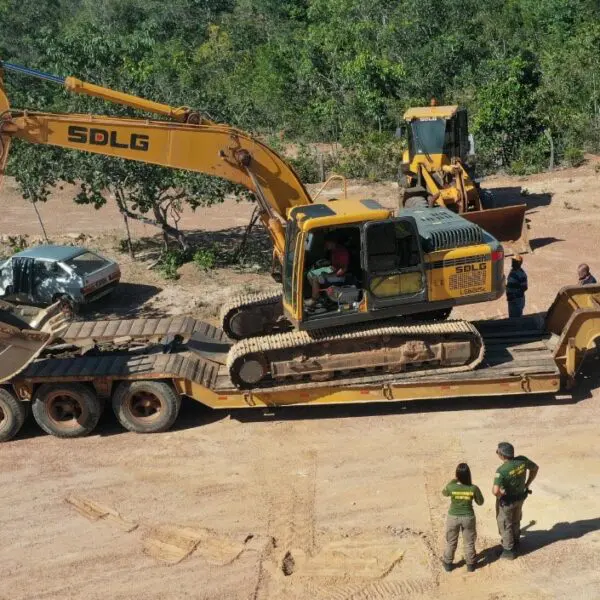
{"x": 385, "y": 266}
{"x": 436, "y": 135}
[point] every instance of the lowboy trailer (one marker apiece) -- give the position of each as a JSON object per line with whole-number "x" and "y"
{"x": 144, "y": 367}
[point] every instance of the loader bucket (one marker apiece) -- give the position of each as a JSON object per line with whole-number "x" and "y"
{"x": 24, "y": 333}
{"x": 506, "y": 224}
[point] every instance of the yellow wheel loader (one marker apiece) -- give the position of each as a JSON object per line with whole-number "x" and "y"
{"x": 418, "y": 264}
{"x": 435, "y": 172}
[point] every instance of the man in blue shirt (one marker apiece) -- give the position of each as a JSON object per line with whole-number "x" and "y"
{"x": 516, "y": 286}
{"x": 584, "y": 275}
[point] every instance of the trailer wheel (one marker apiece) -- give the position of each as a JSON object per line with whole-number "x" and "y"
{"x": 12, "y": 415}
{"x": 66, "y": 410}
{"x": 146, "y": 406}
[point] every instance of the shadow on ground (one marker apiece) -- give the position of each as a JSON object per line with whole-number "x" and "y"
{"x": 127, "y": 300}
{"x": 234, "y": 246}
{"x": 508, "y": 196}
{"x": 533, "y": 540}
{"x": 192, "y": 414}
{"x": 538, "y": 243}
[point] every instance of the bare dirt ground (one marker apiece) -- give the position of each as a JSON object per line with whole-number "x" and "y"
{"x": 308, "y": 503}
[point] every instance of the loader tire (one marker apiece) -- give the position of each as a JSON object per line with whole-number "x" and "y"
{"x": 66, "y": 410}
{"x": 416, "y": 202}
{"x": 12, "y": 415}
{"x": 146, "y": 406}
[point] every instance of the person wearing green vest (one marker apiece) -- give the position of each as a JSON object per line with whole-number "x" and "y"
{"x": 511, "y": 487}
{"x": 461, "y": 516}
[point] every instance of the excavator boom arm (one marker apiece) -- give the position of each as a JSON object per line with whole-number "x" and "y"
{"x": 77, "y": 86}
{"x": 210, "y": 149}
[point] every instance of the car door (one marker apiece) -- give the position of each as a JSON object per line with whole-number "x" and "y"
{"x": 393, "y": 263}
{"x": 23, "y": 269}
{"x": 44, "y": 286}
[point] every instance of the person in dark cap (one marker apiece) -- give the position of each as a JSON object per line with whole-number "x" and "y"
{"x": 516, "y": 286}
{"x": 584, "y": 276}
{"x": 511, "y": 487}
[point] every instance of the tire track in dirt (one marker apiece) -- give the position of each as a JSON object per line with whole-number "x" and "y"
{"x": 288, "y": 483}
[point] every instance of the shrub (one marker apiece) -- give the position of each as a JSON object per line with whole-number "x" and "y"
{"x": 205, "y": 258}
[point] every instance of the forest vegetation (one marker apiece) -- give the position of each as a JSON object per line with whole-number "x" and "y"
{"x": 302, "y": 72}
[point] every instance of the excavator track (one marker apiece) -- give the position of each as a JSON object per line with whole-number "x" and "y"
{"x": 252, "y": 315}
{"x": 322, "y": 355}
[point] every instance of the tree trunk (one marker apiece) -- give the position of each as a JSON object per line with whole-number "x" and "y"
{"x": 169, "y": 232}
{"x": 548, "y": 135}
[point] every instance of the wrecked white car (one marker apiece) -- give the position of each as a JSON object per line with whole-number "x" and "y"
{"x": 44, "y": 274}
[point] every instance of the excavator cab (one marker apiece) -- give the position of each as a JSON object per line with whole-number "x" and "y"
{"x": 420, "y": 263}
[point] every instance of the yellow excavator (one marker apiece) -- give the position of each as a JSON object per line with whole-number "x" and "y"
{"x": 418, "y": 264}
{"x": 435, "y": 173}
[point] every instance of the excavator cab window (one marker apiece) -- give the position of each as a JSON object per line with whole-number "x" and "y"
{"x": 345, "y": 292}
{"x": 393, "y": 262}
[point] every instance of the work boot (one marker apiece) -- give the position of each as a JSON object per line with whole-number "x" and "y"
{"x": 508, "y": 554}
{"x": 470, "y": 568}
{"x": 447, "y": 566}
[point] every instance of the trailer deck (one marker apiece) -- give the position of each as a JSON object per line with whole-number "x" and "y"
{"x": 518, "y": 359}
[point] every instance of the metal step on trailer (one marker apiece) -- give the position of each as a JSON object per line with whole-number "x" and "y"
{"x": 147, "y": 330}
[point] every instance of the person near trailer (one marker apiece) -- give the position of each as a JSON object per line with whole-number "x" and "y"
{"x": 584, "y": 276}
{"x": 461, "y": 517}
{"x": 511, "y": 488}
{"x": 516, "y": 286}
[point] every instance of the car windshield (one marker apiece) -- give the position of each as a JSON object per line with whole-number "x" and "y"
{"x": 86, "y": 263}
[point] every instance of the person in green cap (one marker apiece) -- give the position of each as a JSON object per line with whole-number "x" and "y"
{"x": 511, "y": 487}
{"x": 461, "y": 516}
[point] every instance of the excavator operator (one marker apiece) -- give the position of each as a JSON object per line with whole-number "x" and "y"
{"x": 328, "y": 272}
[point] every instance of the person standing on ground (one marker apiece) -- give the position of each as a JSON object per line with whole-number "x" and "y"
{"x": 511, "y": 487}
{"x": 584, "y": 276}
{"x": 516, "y": 286}
{"x": 461, "y": 516}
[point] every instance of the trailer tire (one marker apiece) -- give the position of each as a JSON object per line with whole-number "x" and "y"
{"x": 12, "y": 415}
{"x": 66, "y": 410}
{"x": 146, "y": 406}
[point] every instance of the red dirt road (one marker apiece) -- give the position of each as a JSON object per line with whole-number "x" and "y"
{"x": 309, "y": 503}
